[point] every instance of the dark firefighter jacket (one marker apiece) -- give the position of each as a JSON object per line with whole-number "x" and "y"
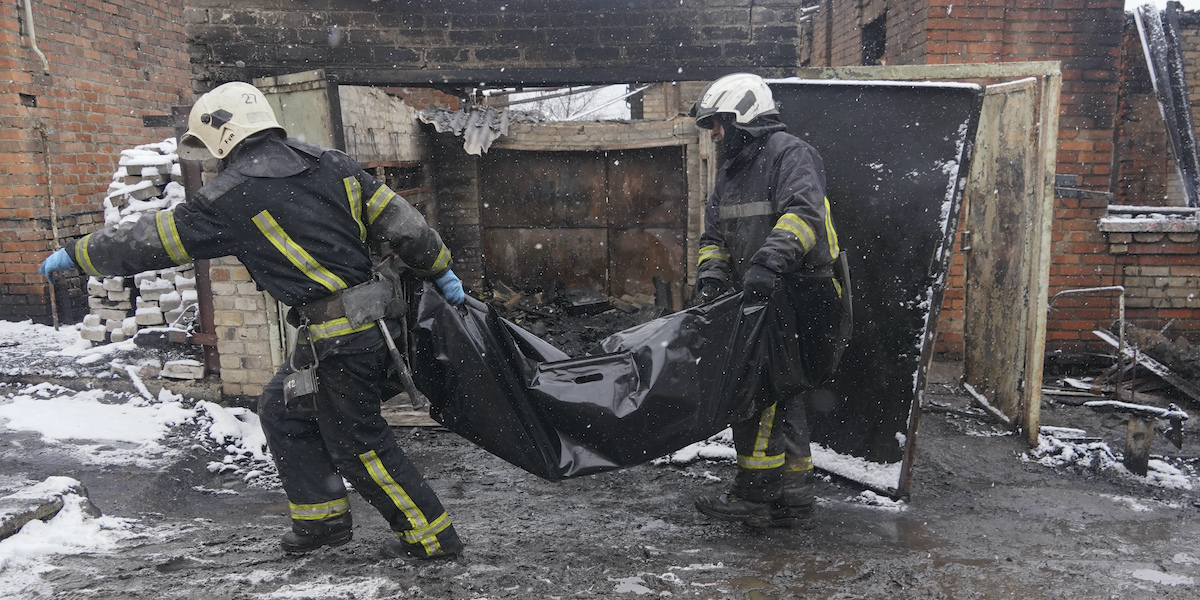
{"x": 768, "y": 207}
{"x": 301, "y": 218}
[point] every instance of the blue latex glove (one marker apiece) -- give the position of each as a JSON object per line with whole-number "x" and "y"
{"x": 451, "y": 288}
{"x": 58, "y": 261}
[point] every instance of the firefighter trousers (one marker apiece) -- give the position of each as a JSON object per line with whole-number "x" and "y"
{"x": 802, "y": 346}
{"x": 346, "y": 436}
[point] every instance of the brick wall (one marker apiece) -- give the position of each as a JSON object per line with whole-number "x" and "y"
{"x": 243, "y": 316}
{"x": 1161, "y": 274}
{"x": 423, "y": 40}
{"x": 109, "y": 64}
{"x": 1144, "y": 167}
{"x": 837, "y": 31}
{"x": 421, "y": 98}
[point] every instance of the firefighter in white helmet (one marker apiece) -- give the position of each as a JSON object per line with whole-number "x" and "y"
{"x": 768, "y": 233}
{"x": 309, "y": 225}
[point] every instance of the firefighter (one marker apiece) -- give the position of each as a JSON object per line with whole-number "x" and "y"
{"x": 768, "y": 233}
{"x": 305, "y": 221}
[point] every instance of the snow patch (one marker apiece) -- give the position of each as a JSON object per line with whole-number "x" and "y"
{"x": 883, "y": 476}
{"x": 872, "y": 499}
{"x": 1055, "y": 452}
{"x": 1160, "y": 577}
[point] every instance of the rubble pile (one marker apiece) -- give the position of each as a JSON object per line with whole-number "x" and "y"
{"x": 148, "y": 179}
{"x": 573, "y": 320}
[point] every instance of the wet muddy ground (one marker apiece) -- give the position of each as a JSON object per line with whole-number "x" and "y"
{"x": 981, "y": 523}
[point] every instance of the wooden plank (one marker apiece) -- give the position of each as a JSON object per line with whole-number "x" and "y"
{"x": 1183, "y": 385}
{"x": 399, "y": 413}
{"x": 1001, "y": 206}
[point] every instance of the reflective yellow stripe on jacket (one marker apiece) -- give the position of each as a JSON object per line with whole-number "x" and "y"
{"x": 84, "y": 260}
{"x": 713, "y": 251}
{"x": 354, "y": 197}
{"x": 297, "y": 255}
{"x": 168, "y": 233}
{"x": 830, "y": 233}
{"x": 443, "y": 261}
{"x": 335, "y": 328}
{"x": 796, "y": 226}
{"x": 379, "y": 200}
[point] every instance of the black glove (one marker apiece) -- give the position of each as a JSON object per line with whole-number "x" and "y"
{"x": 707, "y": 290}
{"x": 758, "y": 283}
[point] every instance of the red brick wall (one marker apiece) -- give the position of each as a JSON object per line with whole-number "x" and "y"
{"x": 421, "y": 98}
{"x": 1086, "y": 35}
{"x": 1144, "y": 167}
{"x": 1161, "y": 275}
{"x": 110, "y": 63}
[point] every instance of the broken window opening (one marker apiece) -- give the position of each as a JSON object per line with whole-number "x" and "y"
{"x": 874, "y": 41}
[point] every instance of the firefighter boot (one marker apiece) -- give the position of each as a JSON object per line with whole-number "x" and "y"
{"x": 448, "y": 546}
{"x": 307, "y": 536}
{"x": 794, "y": 508}
{"x": 749, "y": 501}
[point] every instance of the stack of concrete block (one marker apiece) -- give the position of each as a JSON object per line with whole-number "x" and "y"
{"x": 147, "y": 181}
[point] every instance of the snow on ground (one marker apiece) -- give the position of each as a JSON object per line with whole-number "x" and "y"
{"x": 720, "y": 448}
{"x": 32, "y": 349}
{"x": 107, "y": 428}
{"x": 72, "y": 531}
{"x": 96, "y": 426}
{"x": 1061, "y": 453}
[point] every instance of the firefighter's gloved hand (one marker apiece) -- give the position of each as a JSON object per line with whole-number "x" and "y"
{"x": 59, "y": 261}
{"x": 451, "y": 288}
{"x": 707, "y": 290}
{"x": 758, "y": 283}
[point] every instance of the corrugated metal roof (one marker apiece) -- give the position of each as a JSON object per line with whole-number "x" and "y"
{"x": 478, "y": 126}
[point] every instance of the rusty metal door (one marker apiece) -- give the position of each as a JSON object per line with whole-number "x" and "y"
{"x": 1002, "y": 200}
{"x": 608, "y": 220}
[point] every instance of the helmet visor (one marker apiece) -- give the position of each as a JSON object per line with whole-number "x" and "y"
{"x": 190, "y": 147}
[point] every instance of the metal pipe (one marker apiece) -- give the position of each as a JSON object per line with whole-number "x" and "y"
{"x": 606, "y": 104}
{"x": 33, "y": 36}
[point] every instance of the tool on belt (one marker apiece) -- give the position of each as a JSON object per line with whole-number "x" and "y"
{"x": 300, "y": 388}
{"x": 362, "y": 304}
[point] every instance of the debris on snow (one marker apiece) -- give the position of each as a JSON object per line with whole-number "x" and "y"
{"x": 1055, "y": 452}
{"x": 872, "y": 499}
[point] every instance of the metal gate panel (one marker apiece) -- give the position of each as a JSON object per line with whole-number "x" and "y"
{"x": 614, "y": 220}
{"x": 895, "y": 159}
{"x": 534, "y": 257}
{"x": 646, "y": 188}
{"x": 637, "y": 256}
{"x": 1001, "y": 202}
{"x": 542, "y": 189}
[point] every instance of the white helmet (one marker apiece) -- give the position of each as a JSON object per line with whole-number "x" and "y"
{"x": 222, "y": 118}
{"x": 743, "y": 95}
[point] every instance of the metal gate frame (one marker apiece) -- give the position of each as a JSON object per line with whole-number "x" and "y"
{"x": 1049, "y": 85}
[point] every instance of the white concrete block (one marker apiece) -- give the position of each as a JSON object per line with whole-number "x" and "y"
{"x": 117, "y": 335}
{"x": 114, "y": 284}
{"x": 149, "y": 316}
{"x": 95, "y": 334}
{"x": 121, "y": 296}
{"x": 112, "y": 325}
{"x": 183, "y": 369}
{"x": 129, "y": 326}
{"x": 110, "y": 313}
{"x": 169, "y": 301}
{"x": 95, "y": 287}
{"x": 91, "y": 320}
